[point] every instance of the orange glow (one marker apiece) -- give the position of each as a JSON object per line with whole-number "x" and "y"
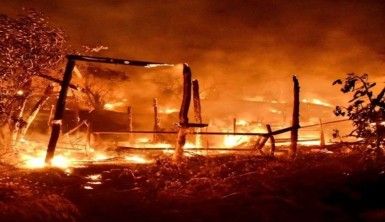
{"x": 113, "y": 106}
{"x": 316, "y": 102}
{"x": 36, "y": 162}
{"x": 168, "y": 110}
{"x": 137, "y": 159}
{"x": 232, "y": 141}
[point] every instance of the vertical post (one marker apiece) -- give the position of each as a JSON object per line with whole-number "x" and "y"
{"x": 88, "y": 136}
{"x": 234, "y": 125}
{"x": 295, "y": 119}
{"x": 272, "y": 140}
{"x": 155, "y": 137}
{"x": 183, "y": 113}
{"x": 59, "y": 112}
{"x": 322, "y": 135}
{"x": 197, "y": 111}
{"x": 129, "y": 112}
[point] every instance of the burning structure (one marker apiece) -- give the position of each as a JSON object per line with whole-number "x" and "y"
{"x": 133, "y": 134}
{"x": 101, "y": 117}
{"x": 102, "y": 121}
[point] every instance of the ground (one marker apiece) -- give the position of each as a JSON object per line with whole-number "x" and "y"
{"x": 314, "y": 187}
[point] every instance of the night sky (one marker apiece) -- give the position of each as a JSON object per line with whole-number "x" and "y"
{"x": 257, "y": 44}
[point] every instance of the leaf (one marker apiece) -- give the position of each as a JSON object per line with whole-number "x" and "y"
{"x": 338, "y": 81}
{"x": 358, "y": 102}
{"x": 371, "y": 85}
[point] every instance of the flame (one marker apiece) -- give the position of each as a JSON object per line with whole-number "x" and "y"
{"x": 262, "y": 99}
{"x": 98, "y": 156}
{"x": 143, "y": 140}
{"x": 94, "y": 177}
{"x": 88, "y": 187}
{"x": 137, "y": 159}
{"x": 38, "y": 161}
{"x": 112, "y": 105}
{"x": 189, "y": 145}
{"x": 232, "y": 141}
{"x": 20, "y": 92}
{"x": 242, "y": 122}
{"x": 276, "y": 111}
{"x": 316, "y": 102}
{"x": 168, "y": 110}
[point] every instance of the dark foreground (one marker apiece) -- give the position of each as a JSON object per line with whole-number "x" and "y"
{"x": 315, "y": 187}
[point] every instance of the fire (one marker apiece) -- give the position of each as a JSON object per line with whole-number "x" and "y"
{"x": 20, "y": 93}
{"x": 112, "y": 106}
{"x": 232, "y": 141}
{"x": 316, "y": 102}
{"x": 168, "y": 110}
{"x": 261, "y": 99}
{"x": 276, "y": 111}
{"x": 143, "y": 140}
{"x": 189, "y": 145}
{"x": 242, "y": 122}
{"x": 137, "y": 159}
{"x": 100, "y": 156}
{"x": 36, "y": 162}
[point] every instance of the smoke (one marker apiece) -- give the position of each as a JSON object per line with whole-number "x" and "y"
{"x": 236, "y": 49}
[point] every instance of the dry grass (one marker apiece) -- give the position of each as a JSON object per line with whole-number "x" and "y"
{"x": 315, "y": 187}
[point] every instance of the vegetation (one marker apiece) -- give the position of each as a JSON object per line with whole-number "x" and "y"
{"x": 29, "y": 46}
{"x": 365, "y": 109}
{"x": 314, "y": 187}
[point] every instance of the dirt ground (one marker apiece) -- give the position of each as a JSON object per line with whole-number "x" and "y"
{"x": 314, "y": 187}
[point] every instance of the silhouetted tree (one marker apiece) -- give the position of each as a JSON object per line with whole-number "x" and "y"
{"x": 365, "y": 110}
{"x": 29, "y": 46}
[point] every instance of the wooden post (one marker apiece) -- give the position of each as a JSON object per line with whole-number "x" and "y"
{"x": 197, "y": 111}
{"x": 272, "y": 140}
{"x": 155, "y": 137}
{"x": 322, "y": 135}
{"x": 181, "y": 141}
{"x": 260, "y": 144}
{"x": 129, "y": 112}
{"x": 234, "y": 125}
{"x": 59, "y": 112}
{"x": 183, "y": 113}
{"x": 295, "y": 119}
{"x": 88, "y": 136}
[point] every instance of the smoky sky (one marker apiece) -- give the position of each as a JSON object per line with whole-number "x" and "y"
{"x": 243, "y": 48}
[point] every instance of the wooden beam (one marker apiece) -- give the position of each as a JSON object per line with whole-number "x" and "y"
{"x": 322, "y": 135}
{"x": 272, "y": 140}
{"x": 183, "y": 114}
{"x": 295, "y": 119}
{"x": 155, "y": 136}
{"x": 197, "y": 111}
{"x": 186, "y": 100}
{"x": 130, "y": 120}
{"x": 59, "y": 112}
{"x": 127, "y": 62}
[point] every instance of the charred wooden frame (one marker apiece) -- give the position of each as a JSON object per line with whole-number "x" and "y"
{"x": 66, "y": 83}
{"x": 183, "y": 113}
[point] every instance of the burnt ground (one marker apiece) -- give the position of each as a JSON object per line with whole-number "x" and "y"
{"x": 314, "y": 187}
